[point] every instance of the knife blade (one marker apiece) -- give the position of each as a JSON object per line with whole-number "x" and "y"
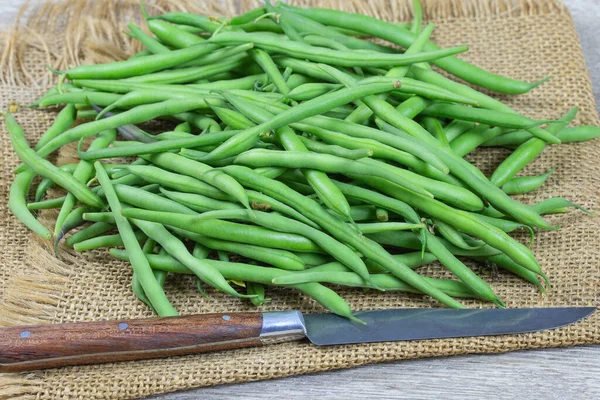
{"x": 27, "y": 348}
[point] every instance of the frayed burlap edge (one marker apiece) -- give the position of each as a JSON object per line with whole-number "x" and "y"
{"x": 85, "y": 31}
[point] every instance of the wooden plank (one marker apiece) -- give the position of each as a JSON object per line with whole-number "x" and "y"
{"x": 571, "y": 373}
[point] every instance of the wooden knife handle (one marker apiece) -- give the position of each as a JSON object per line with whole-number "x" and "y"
{"x": 56, "y": 345}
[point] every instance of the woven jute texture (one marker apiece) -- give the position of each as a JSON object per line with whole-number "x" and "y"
{"x": 525, "y": 39}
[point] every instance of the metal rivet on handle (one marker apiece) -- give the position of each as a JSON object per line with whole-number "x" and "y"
{"x": 123, "y": 326}
{"x": 25, "y": 334}
{"x": 226, "y": 317}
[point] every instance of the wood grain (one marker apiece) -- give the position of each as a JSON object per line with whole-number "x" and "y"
{"x": 55, "y": 345}
{"x": 554, "y": 374}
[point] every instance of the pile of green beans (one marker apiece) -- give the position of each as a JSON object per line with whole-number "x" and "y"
{"x": 282, "y": 148}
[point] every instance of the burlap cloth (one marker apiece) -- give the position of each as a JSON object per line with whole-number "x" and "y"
{"x": 526, "y": 39}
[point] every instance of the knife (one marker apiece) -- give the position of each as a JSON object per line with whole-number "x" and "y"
{"x": 25, "y": 348}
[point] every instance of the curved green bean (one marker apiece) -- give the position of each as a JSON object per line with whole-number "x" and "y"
{"x": 138, "y": 259}
{"x": 45, "y": 168}
{"x": 526, "y": 184}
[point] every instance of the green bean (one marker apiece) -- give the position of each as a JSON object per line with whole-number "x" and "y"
{"x": 453, "y": 236}
{"x": 312, "y": 259}
{"x": 181, "y": 18}
{"x": 484, "y": 100}
{"x": 177, "y": 249}
{"x": 417, "y": 17}
{"x": 136, "y": 115}
{"x": 481, "y": 115}
{"x": 138, "y": 66}
{"x": 17, "y": 203}
{"x": 456, "y": 128}
{"x": 457, "y": 196}
{"x": 510, "y": 139}
{"x": 412, "y": 260}
{"x": 304, "y": 24}
{"x": 379, "y": 200}
{"x": 363, "y": 112}
{"x": 46, "y": 204}
{"x": 141, "y": 54}
{"x": 319, "y": 181}
{"x": 259, "y": 291}
{"x": 43, "y": 187}
{"x": 409, "y": 240}
{"x": 203, "y": 172}
{"x": 464, "y": 222}
{"x": 303, "y": 67}
{"x": 252, "y": 273}
{"x": 200, "y": 251}
{"x": 362, "y": 213}
{"x": 361, "y": 131}
{"x": 434, "y": 127}
{"x": 199, "y": 202}
{"x": 98, "y": 242}
{"x": 466, "y": 275}
{"x": 150, "y": 43}
{"x": 282, "y": 224}
{"x": 526, "y": 184}
{"x": 247, "y": 138}
{"x": 248, "y": 16}
{"x": 274, "y": 44}
{"x": 233, "y": 119}
{"x": 71, "y": 221}
{"x": 470, "y": 140}
{"x": 238, "y": 233}
{"x": 403, "y": 37}
{"x": 244, "y": 83}
{"x": 194, "y": 73}
{"x": 64, "y": 120}
{"x": 467, "y": 172}
{"x": 382, "y": 214}
{"x": 387, "y": 226}
{"x": 92, "y": 231}
{"x": 556, "y": 205}
{"x": 157, "y": 147}
{"x": 309, "y": 91}
{"x": 160, "y": 276}
{"x": 282, "y": 259}
{"x": 176, "y": 181}
{"x": 150, "y": 201}
{"x": 82, "y": 173}
{"x": 435, "y": 169}
{"x": 201, "y": 122}
{"x": 263, "y": 59}
{"x": 337, "y": 228}
{"x": 138, "y": 259}
{"x": 527, "y": 152}
{"x": 81, "y": 97}
{"x": 176, "y": 37}
{"x": 325, "y": 163}
{"x": 185, "y": 127}
{"x": 122, "y": 86}
{"x": 105, "y": 217}
{"x": 85, "y": 114}
{"x": 567, "y": 135}
{"x": 335, "y": 150}
{"x": 258, "y": 200}
{"x": 506, "y": 263}
{"x": 146, "y": 96}
{"x": 385, "y": 281}
{"x": 45, "y": 168}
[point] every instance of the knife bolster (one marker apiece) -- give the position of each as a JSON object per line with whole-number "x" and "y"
{"x": 282, "y": 326}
